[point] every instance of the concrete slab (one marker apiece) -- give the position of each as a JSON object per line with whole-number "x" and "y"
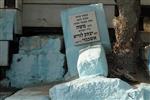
{"x": 90, "y": 88}
{"x": 99, "y": 88}
{"x": 32, "y": 93}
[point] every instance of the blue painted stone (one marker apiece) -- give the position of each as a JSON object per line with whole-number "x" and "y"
{"x": 72, "y": 51}
{"x": 7, "y": 21}
{"x": 92, "y": 61}
{"x": 99, "y": 88}
{"x": 91, "y": 88}
{"x": 24, "y": 70}
{"x": 39, "y": 61}
{"x": 40, "y": 44}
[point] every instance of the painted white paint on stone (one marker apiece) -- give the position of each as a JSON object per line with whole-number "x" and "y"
{"x": 99, "y": 88}
{"x": 4, "y": 49}
{"x": 92, "y": 61}
{"x": 90, "y": 88}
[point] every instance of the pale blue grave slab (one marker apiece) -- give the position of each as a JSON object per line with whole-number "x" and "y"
{"x": 72, "y": 49}
{"x": 91, "y": 88}
{"x": 99, "y": 88}
{"x": 7, "y": 21}
{"x": 39, "y": 61}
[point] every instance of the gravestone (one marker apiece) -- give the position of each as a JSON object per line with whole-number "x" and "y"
{"x": 39, "y": 61}
{"x": 99, "y": 88}
{"x": 83, "y": 26}
{"x": 7, "y": 21}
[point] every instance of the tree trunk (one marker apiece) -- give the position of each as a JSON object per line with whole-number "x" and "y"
{"x": 126, "y": 48}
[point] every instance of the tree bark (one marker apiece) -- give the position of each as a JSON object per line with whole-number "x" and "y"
{"x": 126, "y": 48}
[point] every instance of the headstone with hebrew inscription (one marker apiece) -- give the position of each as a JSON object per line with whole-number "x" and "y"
{"x": 83, "y": 26}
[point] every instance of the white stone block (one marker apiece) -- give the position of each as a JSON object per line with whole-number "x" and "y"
{"x": 4, "y": 50}
{"x": 90, "y": 88}
{"x": 99, "y": 88}
{"x": 92, "y": 61}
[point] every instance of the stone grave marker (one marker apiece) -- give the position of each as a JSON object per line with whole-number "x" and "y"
{"x": 83, "y": 27}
